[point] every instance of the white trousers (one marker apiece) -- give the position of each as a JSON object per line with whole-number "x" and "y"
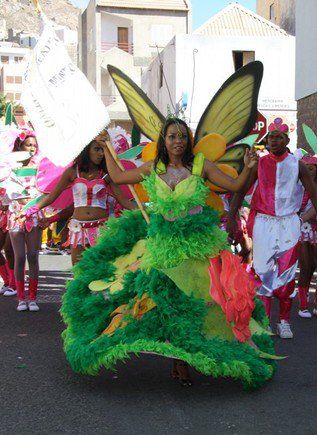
{"x": 275, "y": 253}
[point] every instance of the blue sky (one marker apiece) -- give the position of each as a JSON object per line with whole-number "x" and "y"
{"x": 202, "y": 9}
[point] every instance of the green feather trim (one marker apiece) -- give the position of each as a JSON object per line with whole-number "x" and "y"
{"x": 195, "y": 236}
{"x": 173, "y": 329}
{"x": 175, "y": 204}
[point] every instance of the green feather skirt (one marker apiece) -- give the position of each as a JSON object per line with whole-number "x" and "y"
{"x": 179, "y": 325}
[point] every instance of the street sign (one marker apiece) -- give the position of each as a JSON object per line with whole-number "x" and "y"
{"x": 260, "y": 127}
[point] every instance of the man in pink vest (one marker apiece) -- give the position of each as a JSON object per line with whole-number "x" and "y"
{"x": 278, "y": 181}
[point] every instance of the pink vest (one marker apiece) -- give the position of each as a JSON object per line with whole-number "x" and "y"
{"x": 278, "y": 190}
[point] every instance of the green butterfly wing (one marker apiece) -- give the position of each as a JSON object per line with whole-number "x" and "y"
{"x": 310, "y": 137}
{"x": 142, "y": 111}
{"x": 234, "y": 156}
{"x": 232, "y": 111}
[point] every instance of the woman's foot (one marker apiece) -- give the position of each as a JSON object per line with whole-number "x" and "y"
{"x": 22, "y": 306}
{"x": 33, "y": 306}
{"x": 180, "y": 372}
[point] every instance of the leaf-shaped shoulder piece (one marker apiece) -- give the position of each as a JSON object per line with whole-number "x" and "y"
{"x": 310, "y": 137}
{"x": 232, "y": 111}
{"x": 142, "y": 111}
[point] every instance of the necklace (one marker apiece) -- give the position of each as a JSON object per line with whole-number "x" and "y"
{"x": 175, "y": 175}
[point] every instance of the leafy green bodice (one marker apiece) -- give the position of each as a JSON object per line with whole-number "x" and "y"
{"x": 188, "y": 193}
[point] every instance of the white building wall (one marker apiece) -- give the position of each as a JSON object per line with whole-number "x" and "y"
{"x": 151, "y": 28}
{"x": 214, "y": 64}
{"x": 89, "y": 45}
{"x": 163, "y": 97}
{"x": 306, "y": 48}
{"x": 109, "y": 27}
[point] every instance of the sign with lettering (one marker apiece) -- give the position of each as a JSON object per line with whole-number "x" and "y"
{"x": 260, "y": 127}
{"x": 63, "y": 107}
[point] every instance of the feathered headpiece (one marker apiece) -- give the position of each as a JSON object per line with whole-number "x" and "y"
{"x": 277, "y": 125}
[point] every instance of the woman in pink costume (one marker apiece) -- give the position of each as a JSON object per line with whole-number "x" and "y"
{"x": 92, "y": 194}
{"x": 26, "y": 234}
{"x": 308, "y": 247}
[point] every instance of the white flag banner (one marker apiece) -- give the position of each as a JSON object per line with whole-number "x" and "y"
{"x": 64, "y": 108}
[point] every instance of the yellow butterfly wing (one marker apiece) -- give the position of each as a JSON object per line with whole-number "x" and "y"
{"x": 142, "y": 111}
{"x": 232, "y": 111}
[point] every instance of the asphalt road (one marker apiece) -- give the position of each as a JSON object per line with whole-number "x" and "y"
{"x": 39, "y": 394}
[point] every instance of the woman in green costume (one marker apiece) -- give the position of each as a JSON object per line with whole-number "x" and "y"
{"x": 172, "y": 287}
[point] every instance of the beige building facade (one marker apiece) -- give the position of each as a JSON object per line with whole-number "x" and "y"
{"x": 280, "y": 12}
{"x": 12, "y": 67}
{"x": 127, "y": 34}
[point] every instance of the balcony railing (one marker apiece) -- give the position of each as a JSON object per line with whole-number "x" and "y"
{"x": 105, "y": 46}
{"x": 108, "y": 99}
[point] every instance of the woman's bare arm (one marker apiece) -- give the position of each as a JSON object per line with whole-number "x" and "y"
{"x": 121, "y": 198}
{"x": 131, "y": 176}
{"x": 215, "y": 176}
{"x": 308, "y": 183}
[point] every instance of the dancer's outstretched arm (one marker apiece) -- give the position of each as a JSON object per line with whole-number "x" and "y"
{"x": 215, "y": 176}
{"x": 131, "y": 176}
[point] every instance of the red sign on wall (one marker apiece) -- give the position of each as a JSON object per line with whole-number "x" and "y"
{"x": 260, "y": 127}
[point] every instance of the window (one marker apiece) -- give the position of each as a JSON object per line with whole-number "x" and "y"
{"x": 10, "y": 96}
{"x": 272, "y": 12}
{"x": 18, "y": 96}
{"x": 10, "y": 79}
{"x": 4, "y": 59}
{"x": 18, "y": 79}
{"x": 123, "y": 38}
{"x": 18, "y": 59}
{"x": 241, "y": 58}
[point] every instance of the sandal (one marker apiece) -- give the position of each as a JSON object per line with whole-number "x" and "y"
{"x": 180, "y": 372}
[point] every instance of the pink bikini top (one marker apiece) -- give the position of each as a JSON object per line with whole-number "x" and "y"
{"x": 91, "y": 193}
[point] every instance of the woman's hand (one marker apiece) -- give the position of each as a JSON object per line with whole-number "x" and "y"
{"x": 23, "y": 215}
{"x": 103, "y": 139}
{"x": 250, "y": 158}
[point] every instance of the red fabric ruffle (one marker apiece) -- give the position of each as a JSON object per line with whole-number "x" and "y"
{"x": 232, "y": 289}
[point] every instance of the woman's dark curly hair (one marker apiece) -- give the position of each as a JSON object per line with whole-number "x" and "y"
{"x": 83, "y": 160}
{"x": 162, "y": 154}
{"x": 18, "y": 144}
